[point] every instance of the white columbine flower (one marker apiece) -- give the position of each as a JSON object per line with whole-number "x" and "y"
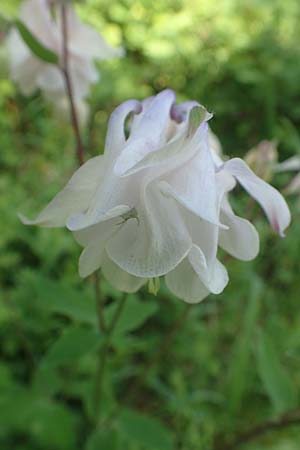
{"x": 84, "y": 46}
{"x": 156, "y": 203}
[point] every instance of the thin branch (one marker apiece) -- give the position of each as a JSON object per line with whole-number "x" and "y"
{"x": 99, "y": 303}
{"x": 168, "y": 338}
{"x": 292, "y": 418}
{"x": 69, "y": 88}
{"x": 103, "y": 354}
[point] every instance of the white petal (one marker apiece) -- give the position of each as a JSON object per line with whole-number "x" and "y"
{"x": 120, "y": 279}
{"x": 214, "y": 276}
{"x": 174, "y": 153}
{"x": 292, "y": 163}
{"x": 115, "y": 138}
{"x": 92, "y": 257}
{"x": 149, "y": 135}
{"x": 155, "y": 243}
{"x": 268, "y": 197}
{"x": 194, "y": 185}
{"x": 84, "y": 40}
{"x": 24, "y": 67}
{"x": 81, "y": 221}
{"x": 241, "y": 240}
{"x": 74, "y": 198}
{"x": 185, "y": 283}
{"x": 36, "y": 15}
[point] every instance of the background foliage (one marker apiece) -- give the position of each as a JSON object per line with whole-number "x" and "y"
{"x": 235, "y": 362}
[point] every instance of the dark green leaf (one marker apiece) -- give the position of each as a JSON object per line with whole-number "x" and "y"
{"x": 74, "y": 343}
{"x": 145, "y": 430}
{"x": 134, "y": 314}
{"x": 37, "y": 48}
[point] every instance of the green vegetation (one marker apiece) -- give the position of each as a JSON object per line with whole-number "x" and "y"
{"x": 235, "y": 361}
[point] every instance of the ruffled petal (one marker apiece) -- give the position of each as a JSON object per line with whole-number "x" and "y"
{"x": 214, "y": 277}
{"x": 115, "y": 137}
{"x": 268, "y": 197}
{"x": 149, "y": 135}
{"x": 184, "y": 282}
{"x": 241, "y": 240}
{"x": 120, "y": 279}
{"x": 74, "y": 198}
{"x": 175, "y": 152}
{"x": 194, "y": 185}
{"x": 155, "y": 242}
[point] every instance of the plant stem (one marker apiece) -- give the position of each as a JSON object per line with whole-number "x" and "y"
{"x": 165, "y": 345}
{"x": 287, "y": 420}
{"x": 69, "y": 88}
{"x": 103, "y": 354}
{"x": 99, "y": 303}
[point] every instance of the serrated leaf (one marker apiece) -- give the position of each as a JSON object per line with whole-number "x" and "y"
{"x": 134, "y": 314}
{"x": 145, "y": 430}
{"x": 73, "y": 344}
{"x": 37, "y": 48}
{"x": 276, "y": 381}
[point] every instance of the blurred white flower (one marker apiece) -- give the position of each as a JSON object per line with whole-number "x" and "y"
{"x": 291, "y": 164}
{"x": 263, "y": 158}
{"x": 156, "y": 203}
{"x": 84, "y": 46}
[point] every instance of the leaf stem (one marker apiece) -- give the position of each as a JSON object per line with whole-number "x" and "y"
{"x": 103, "y": 354}
{"x": 287, "y": 420}
{"x": 69, "y": 88}
{"x": 165, "y": 345}
{"x": 99, "y": 303}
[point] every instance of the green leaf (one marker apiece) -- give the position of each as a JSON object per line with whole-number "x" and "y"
{"x": 241, "y": 358}
{"x": 51, "y": 423}
{"x": 134, "y": 314}
{"x": 277, "y": 383}
{"x": 73, "y": 344}
{"x": 59, "y": 297}
{"x": 145, "y": 430}
{"x": 102, "y": 439}
{"x": 37, "y": 48}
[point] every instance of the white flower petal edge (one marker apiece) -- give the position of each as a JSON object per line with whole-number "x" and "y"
{"x": 269, "y": 198}
{"x": 73, "y": 198}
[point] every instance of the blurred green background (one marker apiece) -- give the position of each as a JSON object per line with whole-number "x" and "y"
{"x": 235, "y": 363}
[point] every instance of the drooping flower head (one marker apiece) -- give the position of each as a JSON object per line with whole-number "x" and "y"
{"x": 157, "y": 202}
{"x": 84, "y": 45}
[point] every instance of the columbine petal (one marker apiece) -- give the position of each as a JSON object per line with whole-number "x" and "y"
{"x": 184, "y": 282}
{"x": 241, "y": 240}
{"x": 292, "y": 163}
{"x": 149, "y": 135}
{"x": 214, "y": 276}
{"x": 73, "y": 198}
{"x": 155, "y": 242}
{"x": 115, "y": 138}
{"x": 84, "y": 40}
{"x": 194, "y": 185}
{"x": 268, "y": 197}
{"x": 120, "y": 279}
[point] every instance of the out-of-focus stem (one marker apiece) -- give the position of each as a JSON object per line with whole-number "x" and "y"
{"x": 69, "y": 87}
{"x": 103, "y": 354}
